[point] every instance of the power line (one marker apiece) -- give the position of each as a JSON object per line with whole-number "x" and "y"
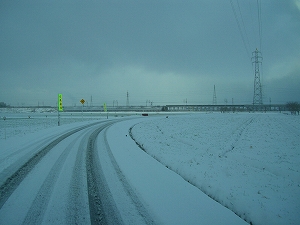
{"x": 236, "y": 8}
{"x": 239, "y": 26}
{"x": 253, "y": 23}
{"x": 243, "y": 24}
{"x": 259, "y": 22}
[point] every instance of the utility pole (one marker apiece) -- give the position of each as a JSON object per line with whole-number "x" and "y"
{"x": 115, "y": 102}
{"x": 257, "y": 60}
{"x": 215, "y": 96}
{"x": 127, "y": 101}
{"x": 147, "y": 101}
{"x": 185, "y": 101}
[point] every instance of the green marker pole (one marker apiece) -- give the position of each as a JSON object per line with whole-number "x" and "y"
{"x": 105, "y": 109}
{"x": 59, "y": 107}
{"x": 58, "y": 122}
{"x": 58, "y": 117}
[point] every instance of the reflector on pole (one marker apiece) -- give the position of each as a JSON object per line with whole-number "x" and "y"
{"x": 60, "y": 106}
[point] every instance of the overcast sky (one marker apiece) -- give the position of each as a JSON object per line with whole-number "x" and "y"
{"x": 165, "y": 51}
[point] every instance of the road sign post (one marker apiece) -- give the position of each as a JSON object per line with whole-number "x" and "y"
{"x": 60, "y": 107}
{"x": 4, "y": 118}
{"x": 82, "y": 101}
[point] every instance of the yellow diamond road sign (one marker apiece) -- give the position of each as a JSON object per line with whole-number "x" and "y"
{"x": 60, "y": 106}
{"x": 82, "y": 101}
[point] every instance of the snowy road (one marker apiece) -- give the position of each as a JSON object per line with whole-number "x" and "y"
{"x": 93, "y": 172}
{"x": 59, "y": 179}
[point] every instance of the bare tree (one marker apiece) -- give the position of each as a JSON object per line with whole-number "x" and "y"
{"x": 293, "y": 107}
{"x": 3, "y": 105}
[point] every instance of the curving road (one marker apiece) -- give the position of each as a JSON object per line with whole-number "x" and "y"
{"x": 70, "y": 178}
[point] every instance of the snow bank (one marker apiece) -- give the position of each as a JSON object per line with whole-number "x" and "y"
{"x": 168, "y": 197}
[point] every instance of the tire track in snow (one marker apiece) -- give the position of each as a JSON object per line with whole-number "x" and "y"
{"x": 102, "y": 206}
{"x": 88, "y": 197}
{"x": 38, "y": 145}
{"x": 139, "y": 207}
{"x": 36, "y": 212}
{"x": 23, "y": 156}
{"x": 13, "y": 181}
{"x": 77, "y": 198}
{"x": 236, "y": 135}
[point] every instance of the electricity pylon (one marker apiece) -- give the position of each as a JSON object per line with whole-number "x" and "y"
{"x": 215, "y": 96}
{"x": 257, "y": 60}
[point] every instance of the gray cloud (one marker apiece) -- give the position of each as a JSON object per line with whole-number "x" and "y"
{"x": 164, "y": 50}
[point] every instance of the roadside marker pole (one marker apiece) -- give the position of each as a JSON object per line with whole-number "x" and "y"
{"x": 60, "y": 108}
{"x": 58, "y": 118}
{"x": 82, "y": 101}
{"x": 105, "y": 110}
{"x": 4, "y": 118}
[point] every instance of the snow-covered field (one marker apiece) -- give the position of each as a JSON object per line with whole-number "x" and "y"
{"x": 22, "y": 121}
{"x": 248, "y": 162}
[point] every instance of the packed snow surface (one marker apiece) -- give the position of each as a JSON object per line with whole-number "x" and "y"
{"x": 192, "y": 168}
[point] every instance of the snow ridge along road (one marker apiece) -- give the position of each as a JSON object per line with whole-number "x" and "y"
{"x": 62, "y": 181}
